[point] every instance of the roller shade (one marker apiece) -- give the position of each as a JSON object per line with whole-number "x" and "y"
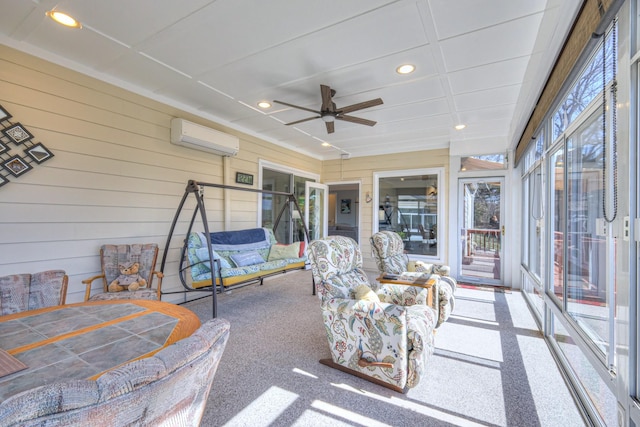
{"x": 593, "y": 19}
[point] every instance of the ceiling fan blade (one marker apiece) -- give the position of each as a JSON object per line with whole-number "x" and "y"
{"x": 330, "y": 127}
{"x": 358, "y": 120}
{"x": 297, "y": 106}
{"x": 360, "y": 106}
{"x": 303, "y": 120}
{"x": 327, "y": 103}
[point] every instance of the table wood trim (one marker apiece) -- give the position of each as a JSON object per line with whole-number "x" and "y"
{"x": 428, "y": 284}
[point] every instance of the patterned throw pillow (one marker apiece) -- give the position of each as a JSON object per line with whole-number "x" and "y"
{"x": 284, "y": 251}
{"x": 242, "y": 259}
{"x": 363, "y": 292}
{"x": 203, "y": 255}
{"x": 419, "y": 266}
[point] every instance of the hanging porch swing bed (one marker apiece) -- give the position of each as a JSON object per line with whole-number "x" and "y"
{"x": 224, "y": 260}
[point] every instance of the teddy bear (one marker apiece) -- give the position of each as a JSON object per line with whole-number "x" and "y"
{"x": 128, "y": 278}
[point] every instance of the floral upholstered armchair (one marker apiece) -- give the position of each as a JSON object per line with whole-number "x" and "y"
{"x": 374, "y": 332}
{"x": 388, "y": 250}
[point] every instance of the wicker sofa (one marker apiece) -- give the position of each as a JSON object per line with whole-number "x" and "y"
{"x": 242, "y": 257}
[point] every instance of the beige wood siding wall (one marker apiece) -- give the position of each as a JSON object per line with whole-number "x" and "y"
{"x": 114, "y": 177}
{"x": 363, "y": 168}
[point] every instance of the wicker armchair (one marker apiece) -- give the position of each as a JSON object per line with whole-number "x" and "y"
{"x": 21, "y": 292}
{"x": 112, "y": 257}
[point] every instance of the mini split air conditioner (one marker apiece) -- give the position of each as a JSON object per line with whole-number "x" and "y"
{"x": 198, "y": 137}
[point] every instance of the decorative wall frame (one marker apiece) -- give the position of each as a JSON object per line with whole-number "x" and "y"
{"x": 39, "y": 152}
{"x": 15, "y": 135}
{"x": 4, "y": 114}
{"x": 345, "y": 206}
{"x": 16, "y": 165}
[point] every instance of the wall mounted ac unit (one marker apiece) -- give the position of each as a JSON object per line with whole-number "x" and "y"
{"x": 198, "y": 137}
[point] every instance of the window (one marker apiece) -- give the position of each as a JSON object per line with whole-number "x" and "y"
{"x": 534, "y": 153}
{"x": 586, "y": 89}
{"x": 409, "y": 203}
{"x": 587, "y": 287}
{"x": 558, "y": 219}
{"x": 483, "y": 163}
{"x": 534, "y": 222}
{"x": 565, "y": 222}
{"x": 591, "y": 384}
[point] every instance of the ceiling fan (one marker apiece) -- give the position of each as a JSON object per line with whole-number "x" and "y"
{"x": 329, "y": 113}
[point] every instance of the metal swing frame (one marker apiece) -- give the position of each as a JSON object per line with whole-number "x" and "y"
{"x": 197, "y": 189}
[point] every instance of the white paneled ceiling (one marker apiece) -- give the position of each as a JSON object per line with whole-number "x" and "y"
{"x": 478, "y": 62}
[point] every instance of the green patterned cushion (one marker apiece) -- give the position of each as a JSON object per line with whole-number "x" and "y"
{"x": 284, "y": 251}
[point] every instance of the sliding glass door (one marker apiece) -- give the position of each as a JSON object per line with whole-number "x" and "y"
{"x": 290, "y": 228}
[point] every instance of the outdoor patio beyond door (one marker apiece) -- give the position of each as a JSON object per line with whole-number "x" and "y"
{"x": 481, "y": 231}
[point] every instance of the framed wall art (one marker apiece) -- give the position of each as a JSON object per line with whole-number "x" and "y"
{"x": 39, "y": 153}
{"x": 4, "y": 114}
{"x": 17, "y": 133}
{"x": 345, "y": 206}
{"x": 16, "y": 165}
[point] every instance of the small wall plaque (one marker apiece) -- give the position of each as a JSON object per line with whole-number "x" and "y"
{"x": 244, "y": 178}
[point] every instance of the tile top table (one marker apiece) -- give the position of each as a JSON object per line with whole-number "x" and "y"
{"x": 84, "y": 340}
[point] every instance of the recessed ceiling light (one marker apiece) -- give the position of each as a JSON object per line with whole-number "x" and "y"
{"x": 460, "y": 126}
{"x": 326, "y": 144}
{"x": 64, "y": 19}
{"x": 405, "y": 69}
{"x": 264, "y": 104}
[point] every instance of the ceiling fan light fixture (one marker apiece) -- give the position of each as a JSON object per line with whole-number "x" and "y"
{"x": 406, "y": 69}
{"x": 329, "y": 113}
{"x": 64, "y": 19}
